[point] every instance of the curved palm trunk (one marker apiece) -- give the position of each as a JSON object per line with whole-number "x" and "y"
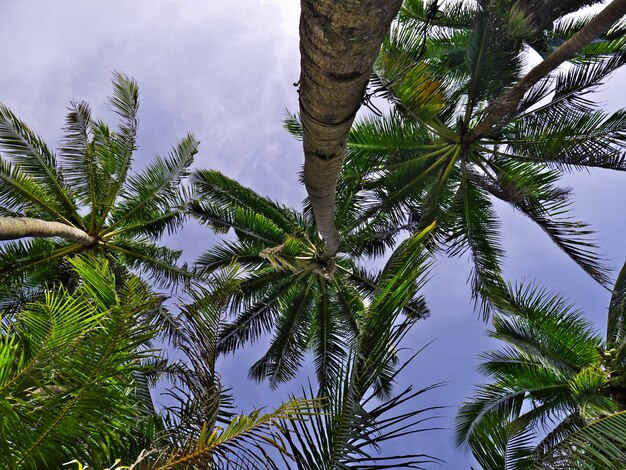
{"x": 12, "y": 228}
{"x": 339, "y": 41}
{"x": 507, "y": 103}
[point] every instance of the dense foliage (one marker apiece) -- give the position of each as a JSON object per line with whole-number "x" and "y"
{"x": 85, "y": 336}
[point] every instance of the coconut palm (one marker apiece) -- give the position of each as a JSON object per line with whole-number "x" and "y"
{"x": 287, "y": 290}
{"x": 68, "y": 369}
{"x": 556, "y": 379}
{"x": 447, "y": 148}
{"x": 87, "y": 200}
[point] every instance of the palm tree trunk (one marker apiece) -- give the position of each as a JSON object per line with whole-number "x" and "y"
{"x": 507, "y": 103}
{"x": 339, "y": 42}
{"x": 12, "y": 228}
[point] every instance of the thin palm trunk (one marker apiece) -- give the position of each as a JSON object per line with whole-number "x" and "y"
{"x": 339, "y": 42}
{"x": 12, "y": 228}
{"x": 508, "y": 102}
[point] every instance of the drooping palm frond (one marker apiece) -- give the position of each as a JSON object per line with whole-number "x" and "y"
{"x": 598, "y": 445}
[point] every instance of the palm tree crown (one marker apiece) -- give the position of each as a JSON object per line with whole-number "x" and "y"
{"x": 441, "y": 69}
{"x": 89, "y": 192}
{"x": 555, "y": 375}
{"x": 286, "y": 289}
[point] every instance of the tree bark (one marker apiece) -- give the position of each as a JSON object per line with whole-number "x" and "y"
{"x": 339, "y": 42}
{"x": 12, "y": 228}
{"x": 507, "y": 103}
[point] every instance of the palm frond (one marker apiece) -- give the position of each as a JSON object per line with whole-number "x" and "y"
{"x": 598, "y": 445}
{"x": 72, "y": 381}
{"x": 284, "y": 357}
{"x": 155, "y": 191}
{"x": 36, "y": 161}
{"x": 120, "y": 144}
{"x": 344, "y": 432}
{"x": 144, "y": 256}
{"x": 476, "y": 229}
{"x": 616, "y": 326}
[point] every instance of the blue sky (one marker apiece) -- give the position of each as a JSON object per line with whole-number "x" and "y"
{"x": 224, "y": 71}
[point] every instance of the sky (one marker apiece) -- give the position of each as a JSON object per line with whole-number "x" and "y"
{"x": 225, "y": 72}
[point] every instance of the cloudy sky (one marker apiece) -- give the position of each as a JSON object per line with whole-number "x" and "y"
{"x": 225, "y": 71}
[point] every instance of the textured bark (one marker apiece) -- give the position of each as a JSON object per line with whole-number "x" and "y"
{"x": 12, "y": 228}
{"x": 507, "y": 103}
{"x": 339, "y": 42}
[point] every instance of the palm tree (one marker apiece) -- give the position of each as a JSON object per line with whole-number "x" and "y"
{"x": 453, "y": 141}
{"x": 87, "y": 201}
{"x": 555, "y": 377}
{"x": 68, "y": 370}
{"x": 199, "y": 428}
{"x": 338, "y": 43}
{"x": 286, "y": 287}
{"x": 74, "y": 374}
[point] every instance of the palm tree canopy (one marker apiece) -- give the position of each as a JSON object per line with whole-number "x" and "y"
{"x": 89, "y": 189}
{"x": 69, "y": 365}
{"x": 285, "y": 289}
{"x": 555, "y": 377}
{"x": 441, "y": 68}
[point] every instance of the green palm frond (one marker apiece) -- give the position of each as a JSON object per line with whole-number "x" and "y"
{"x": 382, "y": 324}
{"x": 240, "y": 444}
{"x": 258, "y": 308}
{"x": 580, "y": 139}
{"x": 545, "y": 321}
{"x": 34, "y": 159}
{"x": 218, "y": 191}
{"x": 598, "y": 445}
{"x": 530, "y": 189}
{"x": 452, "y": 14}
{"x": 22, "y": 194}
{"x": 502, "y": 445}
{"x": 79, "y": 167}
{"x": 144, "y": 256}
{"x": 476, "y": 229}
{"x": 282, "y": 360}
{"x": 147, "y": 196}
{"x": 71, "y": 378}
{"x": 121, "y": 143}
{"x": 616, "y": 325}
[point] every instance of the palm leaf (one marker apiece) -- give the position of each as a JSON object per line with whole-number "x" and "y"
{"x": 35, "y": 160}
{"x": 598, "y": 445}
